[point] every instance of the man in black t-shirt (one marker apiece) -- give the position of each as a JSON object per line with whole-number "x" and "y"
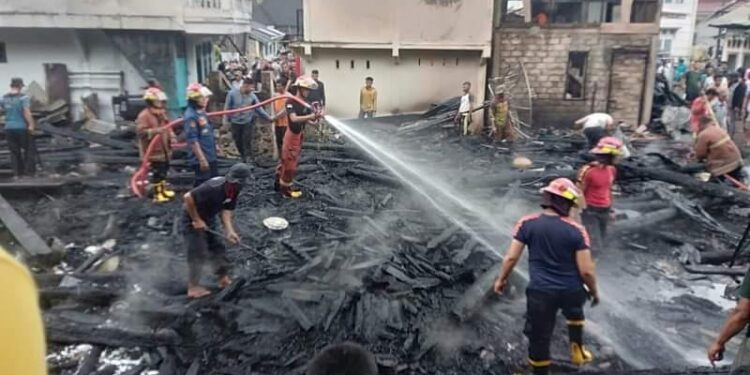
{"x": 203, "y": 205}
{"x": 300, "y": 113}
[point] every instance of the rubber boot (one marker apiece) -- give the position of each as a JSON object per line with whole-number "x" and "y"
{"x": 579, "y": 355}
{"x": 166, "y": 192}
{"x": 159, "y": 196}
{"x": 289, "y": 192}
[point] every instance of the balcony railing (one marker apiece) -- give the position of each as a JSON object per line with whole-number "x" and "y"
{"x": 210, "y": 4}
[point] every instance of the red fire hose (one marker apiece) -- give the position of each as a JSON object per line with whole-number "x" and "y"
{"x": 138, "y": 181}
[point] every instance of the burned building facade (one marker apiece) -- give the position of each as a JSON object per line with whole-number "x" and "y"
{"x": 581, "y": 56}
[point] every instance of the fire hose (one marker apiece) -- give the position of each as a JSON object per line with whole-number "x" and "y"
{"x": 138, "y": 181}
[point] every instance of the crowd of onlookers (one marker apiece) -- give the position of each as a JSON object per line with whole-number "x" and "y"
{"x": 723, "y": 89}
{"x": 283, "y": 66}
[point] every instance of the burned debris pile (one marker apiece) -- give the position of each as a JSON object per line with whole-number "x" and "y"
{"x": 364, "y": 259}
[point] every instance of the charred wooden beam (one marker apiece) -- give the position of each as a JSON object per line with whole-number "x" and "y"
{"x": 644, "y": 221}
{"x": 374, "y": 177}
{"x": 22, "y": 231}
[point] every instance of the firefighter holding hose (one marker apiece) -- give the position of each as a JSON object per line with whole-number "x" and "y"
{"x": 151, "y": 122}
{"x": 300, "y": 114}
{"x": 561, "y": 273}
{"x": 199, "y": 134}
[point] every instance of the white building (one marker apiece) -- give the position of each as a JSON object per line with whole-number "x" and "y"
{"x": 677, "y": 28}
{"x": 418, "y": 52}
{"x": 734, "y": 40}
{"x": 77, "y": 47}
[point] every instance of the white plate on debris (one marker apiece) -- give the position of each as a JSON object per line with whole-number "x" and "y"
{"x": 276, "y": 223}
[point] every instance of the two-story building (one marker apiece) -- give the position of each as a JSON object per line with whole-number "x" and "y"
{"x": 582, "y": 56}
{"x": 418, "y": 52}
{"x": 76, "y": 47}
{"x": 677, "y": 28}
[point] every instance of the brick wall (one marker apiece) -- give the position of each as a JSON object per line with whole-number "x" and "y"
{"x": 544, "y": 53}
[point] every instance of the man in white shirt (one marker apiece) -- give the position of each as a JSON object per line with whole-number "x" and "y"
{"x": 595, "y": 127}
{"x": 463, "y": 118}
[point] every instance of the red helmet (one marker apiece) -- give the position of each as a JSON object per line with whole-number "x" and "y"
{"x": 608, "y": 146}
{"x": 563, "y": 187}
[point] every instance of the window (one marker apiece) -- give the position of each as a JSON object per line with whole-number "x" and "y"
{"x": 666, "y": 46}
{"x": 511, "y": 11}
{"x": 746, "y": 60}
{"x": 732, "y": 61}
{"x": 3, "y": 54}
{"x": 668, "y": 1}
{"x": 368, "y": 64}
{"x": 575, "y": 76}
{"x": 644, "y": 11}
{"x": 352, "y": 64}
{"x": 575, "y": 11}
{"x": 419, "y": 62}
{"x": 338, "y": 64}
{"x": 458, "y": 60}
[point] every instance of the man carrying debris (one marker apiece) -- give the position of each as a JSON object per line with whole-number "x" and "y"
{"x": 596, "y": 180}
{"x": 721, "y": 155}
{"x": 463, "y": 117}
{"x": 595, "y": 127}
{"x": 199, "y": 134}
{"x": 368, "y": 100}
{"x": 19, "y": 129}
{"x": 299, "y": 116}
{"x": 202, "y": 206}
{"x": 736, "y": 322}
{"x": 243, "y": 123}
{"x": 561, "y": 273}
{"x": 503, "y": 128}
{"x": 281, "y": 119}
{"x": 152, "y": 121}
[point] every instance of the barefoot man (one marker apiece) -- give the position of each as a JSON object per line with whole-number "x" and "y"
{"x": 205, "y": 247}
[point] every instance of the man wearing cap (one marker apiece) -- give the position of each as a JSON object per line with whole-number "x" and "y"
{"x": 203, "y": 205}
{"x": 502, "y": 130}
{"x": 561, "y": 273}
{"x": 19, "y": 128}
{"x": 199, "y": 134}
{"x": 243, "y": 123}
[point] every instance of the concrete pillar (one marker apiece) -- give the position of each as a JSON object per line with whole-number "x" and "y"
{"x": 648, "y": 92}
{"x": 626, "y": 8}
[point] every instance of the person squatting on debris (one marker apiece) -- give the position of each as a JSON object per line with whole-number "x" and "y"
{"x": 281, "y": 119}
{"x": 502, "y": 129}
{"x": 243, "y": 123}
{"x": 368, "y": 100}
{"x": 721, "y": 155}
{"x": 217, "y": 196}
{"x": 596, "y": 180}
{"x": 595, "y": 127}
{"x": 463, "y": 117}
{"x": 343, "y": 359}
{"x": 199, "y": 134}
{"x": 152, "y": 121}
{"x": 19, "y": 129}
{"x": 22, "y": 344}
{"x": 299, "y": 116}
{"x": 738, "y": 319}
{"x": 561, "y": 273}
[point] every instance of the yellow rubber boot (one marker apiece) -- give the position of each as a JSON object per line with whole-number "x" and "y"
{"x": 579, "y": 355}
{"x": 159, "y": 196}
{"x": 166, "y": 192}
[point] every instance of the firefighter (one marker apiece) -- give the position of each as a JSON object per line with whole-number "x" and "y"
{"x": 595, "y": 181}
{"x": 561, "y": 273}
{"x": 199, "y": 134}
{"x": 150, "y": 122}
{"x": 299, "y": 116}
{"x": 205, "y": 247}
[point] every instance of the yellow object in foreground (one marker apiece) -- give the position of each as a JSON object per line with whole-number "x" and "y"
{"x": 22, "y": 345}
